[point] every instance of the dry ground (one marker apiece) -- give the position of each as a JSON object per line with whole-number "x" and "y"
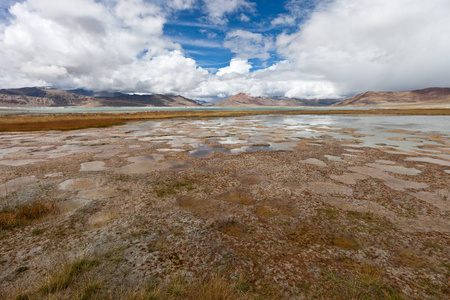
{"x": 126, "y": 213}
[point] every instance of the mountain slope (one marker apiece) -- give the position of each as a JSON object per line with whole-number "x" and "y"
{"x": 244, "y": 100}
{"x": 41, "y": 97}
{"x": 430, "y": 97}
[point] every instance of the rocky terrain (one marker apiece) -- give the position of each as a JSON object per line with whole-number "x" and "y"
{"x": 244, "y": 100}
{"x": 259, "y": 207}
{"x": 40, "y": 97}
{"x": 430, "y": 97}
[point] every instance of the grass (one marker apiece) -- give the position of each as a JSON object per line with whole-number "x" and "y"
{"x": 209, "y": 288}
{"x": 66, "y": 276}
{"x": 172, "y": 188}
{"x": 177, "y": 287}
{"x": 358, "y": 281}
{"x": 25, "y": 214}
{"x": 305, "y": 235}
{"x": 90, "y": 120}
{"x": 231, "y": 227}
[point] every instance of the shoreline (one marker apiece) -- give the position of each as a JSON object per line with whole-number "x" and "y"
{"x": 75, "y": 121}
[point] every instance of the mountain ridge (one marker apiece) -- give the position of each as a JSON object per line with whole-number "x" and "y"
{"x": 433, "y": 97}
{"x": 428, "y": 97}
{"x": 43, "y": 97}
{"x": 245, "y": 100}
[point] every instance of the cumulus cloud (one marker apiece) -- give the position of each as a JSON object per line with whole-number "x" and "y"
{"x": 297, "y": 10}
{"x": 374, "y": 44}
{"x": 342, "y": 47}
{"x": 180, "y": 4}
{"x": 71, "y": 43}
{"x": 218, "y": 10}
{"x": 247, "y": 44}
{"x": 237, "y": 66}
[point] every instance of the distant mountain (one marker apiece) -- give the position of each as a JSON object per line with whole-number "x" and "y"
{"x": 430, "y": 97}
{"x": 245, "y": 100}
{"x": 42, "y": 97}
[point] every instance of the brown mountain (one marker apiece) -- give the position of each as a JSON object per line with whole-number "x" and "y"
{"x": 41, "y": 97}
{"x": 244, "y": 100}
{"x": 430, "y": 97}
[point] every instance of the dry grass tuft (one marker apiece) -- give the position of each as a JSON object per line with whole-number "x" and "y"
{"x": 237, "y": 196}
{"x": 408, "y": 258}
{"x": 66, "y": 276}
{"x": 209, "y": 288}
{"x": 23, "y": 215}
{"x": 249, "y": 179}
{"x": 266, "y": 212}
{"x": 210, "y": 208}
{"x": 305, "y": 235}
{"x": 231, "y": 227}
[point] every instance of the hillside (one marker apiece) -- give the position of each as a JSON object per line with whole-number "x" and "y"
{"x": 430, "y": 97}
{"x": 41, "y": 97}
{"x": 244, "y": 100}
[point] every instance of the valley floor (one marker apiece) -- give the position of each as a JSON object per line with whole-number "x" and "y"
{"x": 225, "y": 208}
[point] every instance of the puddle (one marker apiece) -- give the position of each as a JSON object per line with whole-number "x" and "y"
{"x": 430, "y": 160}
{"x": 440, "y": 199}
{"x": 348, "y": 178}
{"x": 395, "y": 169}
{"x": 93, "y": 166}
{"x": 144, "y": 167}
{"x": 386, "y": 162}
{"x": 334, "y": 158}
{"x": 18, "y": 163}
{"x": 390, "y": 181}
{"x": 314, "y": 161}
{"x": 328, "y": 188}
{"x": 108, "y": 153}
{"x": 78, "y": 184}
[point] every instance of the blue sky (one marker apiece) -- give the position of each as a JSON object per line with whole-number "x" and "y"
{"x": 204, "y": 41}
{"x": 213, "y": 49}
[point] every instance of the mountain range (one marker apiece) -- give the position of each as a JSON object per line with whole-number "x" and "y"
{"x": 45, "y": 97}
{"x": 429, "y": 97}
{"x": 242, "y": 99}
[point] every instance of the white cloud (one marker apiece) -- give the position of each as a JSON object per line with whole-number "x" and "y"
{"x": 298, "y": 10}
{"x": 71, "y": 43}
{"x": 180, "y": 4}
{"x": 244, "y": 18}
{"x": 237, "y": 66}
{"x": 343, "y": 47}
{"x": 247, "y": 44}
{"x": 218, "y": 10}
{"x": 374, "y": 44}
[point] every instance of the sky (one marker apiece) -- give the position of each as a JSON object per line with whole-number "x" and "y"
{"x": 213, "y": 49}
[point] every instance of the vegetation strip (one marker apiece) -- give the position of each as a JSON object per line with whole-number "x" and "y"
{"x": 95, "y": 120}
